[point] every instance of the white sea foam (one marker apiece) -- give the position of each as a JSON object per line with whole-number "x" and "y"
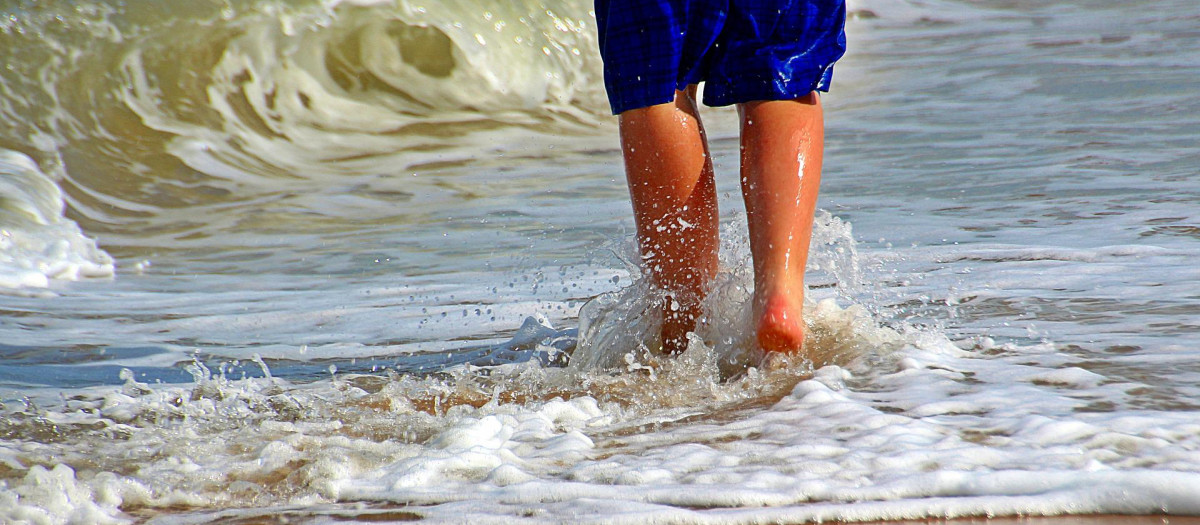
{"x": 826, "y": 443}
{"x": 38, "y": 243}
{"x": 927, "y": 429}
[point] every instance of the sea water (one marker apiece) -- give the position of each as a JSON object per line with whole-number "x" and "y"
{"x": 319, "y": 261}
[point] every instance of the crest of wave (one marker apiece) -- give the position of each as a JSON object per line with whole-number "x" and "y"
{"x": 340, "y": 88}
{"x": 37, "y": 242}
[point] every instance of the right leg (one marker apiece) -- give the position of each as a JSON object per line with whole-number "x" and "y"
{"x": 782, "y": 142}
{"x": 675, "y": 206}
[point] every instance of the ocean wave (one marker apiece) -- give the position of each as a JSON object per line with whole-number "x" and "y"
{"x": 135, "y": 109}
{"x": 330, "y": 91}
{"x": 37, "y": 242}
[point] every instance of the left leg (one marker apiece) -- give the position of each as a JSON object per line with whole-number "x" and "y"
{"x": 674, "y": 198}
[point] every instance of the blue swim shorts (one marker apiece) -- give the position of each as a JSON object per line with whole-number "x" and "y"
{"x": 743, "y": 50}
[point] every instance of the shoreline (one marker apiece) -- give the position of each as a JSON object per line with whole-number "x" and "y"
{"x": 345, "y": 513}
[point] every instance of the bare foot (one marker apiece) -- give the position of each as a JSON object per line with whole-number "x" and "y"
{"x": 781, "y": 324}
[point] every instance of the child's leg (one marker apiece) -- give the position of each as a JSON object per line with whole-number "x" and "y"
{"x": 674, "y": 204}
{"x": 782, "y": 143}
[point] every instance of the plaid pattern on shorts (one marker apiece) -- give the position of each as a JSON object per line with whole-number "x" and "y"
{"x": 744, "y": 50}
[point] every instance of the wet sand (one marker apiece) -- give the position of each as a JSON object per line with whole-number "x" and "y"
{"x": 340, "y": 514}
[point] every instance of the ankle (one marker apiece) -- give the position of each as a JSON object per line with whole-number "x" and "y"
{"x": 679, "y": 319}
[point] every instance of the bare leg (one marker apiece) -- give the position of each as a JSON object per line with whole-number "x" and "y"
{"x": 674, "y": 205}
{"x": 782, "y": 144}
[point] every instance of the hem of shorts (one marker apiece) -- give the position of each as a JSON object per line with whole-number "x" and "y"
{"x": 770, "y": 91}
{"x": 767, "y": 94}
{"x": 716, "y": 102}
{"x": 619, "y": 106}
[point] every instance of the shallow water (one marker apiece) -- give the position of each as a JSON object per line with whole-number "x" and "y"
{"x": 329, "y": 260}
